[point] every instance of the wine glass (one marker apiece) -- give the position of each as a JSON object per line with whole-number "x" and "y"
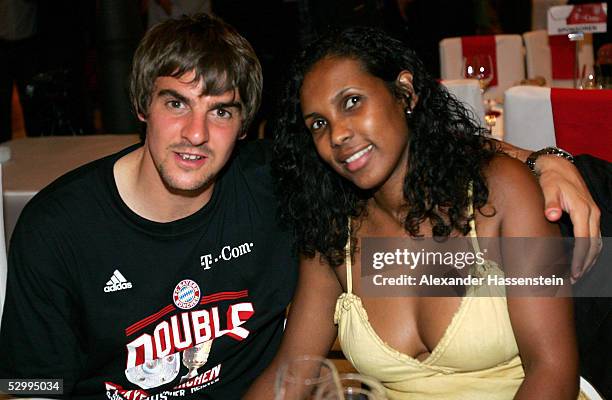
{"x": 302, "y": 376}
{"x": 353, "y": 387}
{"x": 479, "y": 66}
{"x": 591, "y": 81}
{"x": 490, "y": 118}
{"x": 350, "y": 393}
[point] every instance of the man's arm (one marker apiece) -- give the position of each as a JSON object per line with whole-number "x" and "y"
{"x": 310, "y": 326}
{"x": 565, "y": 190}
{"x": 38, "y": 336}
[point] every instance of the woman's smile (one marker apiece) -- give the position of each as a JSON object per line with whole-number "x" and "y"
{"x": 358, "y": 159}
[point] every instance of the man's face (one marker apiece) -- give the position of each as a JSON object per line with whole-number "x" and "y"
{"x": 190, "y": 136}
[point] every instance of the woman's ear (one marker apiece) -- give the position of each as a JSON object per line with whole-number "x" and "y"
{"x": 404, "y": 83}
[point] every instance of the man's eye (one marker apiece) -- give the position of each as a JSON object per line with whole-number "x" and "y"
{"x": 223, "y": 113}
{"x": 175, "y": 104}
{"x": 351, "y": 102}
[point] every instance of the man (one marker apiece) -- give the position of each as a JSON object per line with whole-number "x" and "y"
{"x": 158, "y": 271}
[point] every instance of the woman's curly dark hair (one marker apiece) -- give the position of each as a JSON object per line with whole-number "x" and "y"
{"x": 447, "y": 152}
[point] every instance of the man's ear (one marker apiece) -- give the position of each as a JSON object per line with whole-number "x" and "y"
{"x": 141, "y": 117}
{"x": 404, "y": 83}
{"x": 243, "y": 132}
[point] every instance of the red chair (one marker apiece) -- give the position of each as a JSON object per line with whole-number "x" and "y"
{"x": 579, "y": 121}
{"x": 553, "y": 57}
{"x": 506, "y": 53}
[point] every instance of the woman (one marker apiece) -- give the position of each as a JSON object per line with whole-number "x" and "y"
{"x": 374, "y": 147}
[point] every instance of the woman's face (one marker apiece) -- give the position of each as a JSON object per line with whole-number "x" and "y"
{"x": 358, "y": 126}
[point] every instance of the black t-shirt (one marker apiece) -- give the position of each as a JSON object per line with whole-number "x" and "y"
{"x": 118, "y": 306}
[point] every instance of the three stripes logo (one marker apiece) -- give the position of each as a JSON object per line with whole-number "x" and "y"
{"x": 117, "y": 282}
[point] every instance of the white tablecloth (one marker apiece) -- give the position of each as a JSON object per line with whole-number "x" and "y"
{"x": 36, "y": 162}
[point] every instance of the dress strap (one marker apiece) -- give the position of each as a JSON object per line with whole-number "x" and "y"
{"x": 348, "y": 260}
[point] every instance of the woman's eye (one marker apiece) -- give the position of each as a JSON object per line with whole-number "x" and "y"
{"x": 317, "y": 124}
{"x": 351, "y": 102}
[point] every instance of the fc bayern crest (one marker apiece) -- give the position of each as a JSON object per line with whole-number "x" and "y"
{"x": 186, "y": 294}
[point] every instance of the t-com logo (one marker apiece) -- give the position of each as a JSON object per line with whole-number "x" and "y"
{"x": 186, "y": 294}
{"x": 227, "y": 253}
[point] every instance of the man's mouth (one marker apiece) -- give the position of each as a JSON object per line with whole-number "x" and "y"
{"x": 190, "y": 157}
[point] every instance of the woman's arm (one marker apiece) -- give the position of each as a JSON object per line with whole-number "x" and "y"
{"x": 565, "y": 190}
{"x": 310, "y": 326}
{"x": 543, "y": 326}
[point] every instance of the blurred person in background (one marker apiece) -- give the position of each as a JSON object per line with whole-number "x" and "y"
{"x": 60, "y": 90}
{"x": 19, "y": 53}
{"x": 119, "y": 27}
{"x": 272, "y": 27}
{"x": 161, "y": 10}
{"x": 421, "y": 24}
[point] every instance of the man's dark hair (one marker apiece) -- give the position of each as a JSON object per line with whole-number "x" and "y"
{"x": 206, "y": 45}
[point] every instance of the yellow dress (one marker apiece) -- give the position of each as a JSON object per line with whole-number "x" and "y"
{"x": 477, "y": 357}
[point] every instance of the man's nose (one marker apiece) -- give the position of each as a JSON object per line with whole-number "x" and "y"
{"x": 196, "y": 130}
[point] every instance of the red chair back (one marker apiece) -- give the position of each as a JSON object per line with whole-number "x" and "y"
{"x": 583, "y": 121}
{"x": 563, "y": 55}
{"x": 474, "y": 45}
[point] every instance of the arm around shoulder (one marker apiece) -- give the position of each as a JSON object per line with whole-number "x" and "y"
{"x": 566, "y": 191}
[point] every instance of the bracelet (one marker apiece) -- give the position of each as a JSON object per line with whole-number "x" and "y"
{"x": 555, "y": 151}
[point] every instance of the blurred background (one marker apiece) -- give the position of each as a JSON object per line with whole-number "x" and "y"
{"x": 66, "y": 62}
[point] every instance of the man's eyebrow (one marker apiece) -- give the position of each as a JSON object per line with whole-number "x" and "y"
{"x": 175, "y": 94}
{"x": 227, "y": 104}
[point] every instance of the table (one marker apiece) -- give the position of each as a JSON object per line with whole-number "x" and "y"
{"x": 468, "y": 92}
{"x": 36, "y": 162}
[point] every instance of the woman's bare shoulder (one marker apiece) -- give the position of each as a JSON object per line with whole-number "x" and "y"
{"x": 516, "y": 196}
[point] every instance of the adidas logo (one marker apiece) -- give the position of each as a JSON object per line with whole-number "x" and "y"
{"x": 117, "y": 282}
